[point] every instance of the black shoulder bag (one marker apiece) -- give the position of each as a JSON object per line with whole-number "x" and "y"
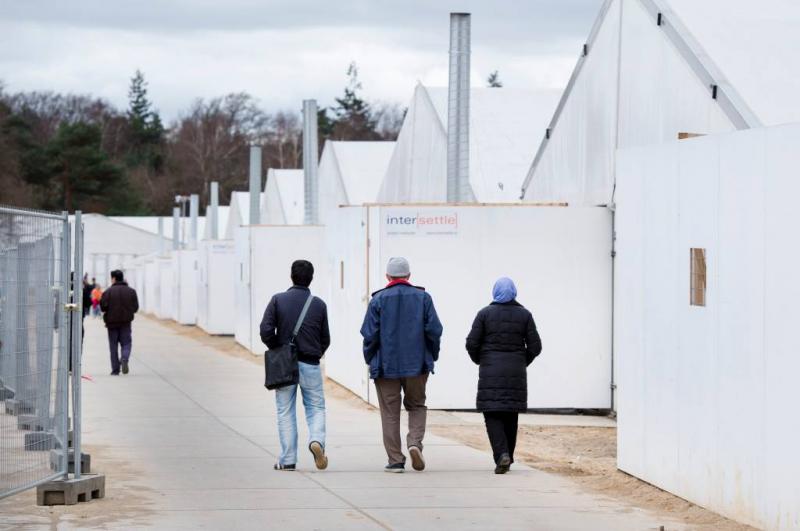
{"x": 280, "y": 364}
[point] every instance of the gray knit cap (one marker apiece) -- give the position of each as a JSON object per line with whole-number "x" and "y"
{"x": 398, "y": 267}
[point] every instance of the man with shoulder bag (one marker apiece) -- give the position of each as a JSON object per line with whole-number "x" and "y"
{"x": 295, "y": 330}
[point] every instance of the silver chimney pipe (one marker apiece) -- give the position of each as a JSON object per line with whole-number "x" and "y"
{"x": 176, "y": 228}
{"x": 458, "y": 188}
{"x": 213, "y": 215}
{"x": 255, "y": 184}
{"x": 194, "y": 211}
{"x": 161, "y": 241}
{"x": 310, "y": 162}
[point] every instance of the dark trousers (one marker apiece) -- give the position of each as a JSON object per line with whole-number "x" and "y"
{"x": 502, "y": 429}
{"x": 119, "y": 336}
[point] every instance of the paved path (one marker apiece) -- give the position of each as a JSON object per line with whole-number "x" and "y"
{"x": 188, "y": 440}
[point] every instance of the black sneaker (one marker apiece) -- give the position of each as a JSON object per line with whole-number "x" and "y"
{"x": 286, "y": 468}
{"x": 320, "y": 459}
{"x": 397, "y": 468}
{"x": 124, "y": 366}
{"x": 114, "y": 373}
{"x": 503, "y": 464}
{"x": 417, "y": 461}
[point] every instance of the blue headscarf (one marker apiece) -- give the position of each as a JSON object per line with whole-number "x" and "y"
{"x": 504, "y": 290}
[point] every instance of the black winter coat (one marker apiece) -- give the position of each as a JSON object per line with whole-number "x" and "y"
{"x": 503, "y": 341}
{"x": 119, "y": 303}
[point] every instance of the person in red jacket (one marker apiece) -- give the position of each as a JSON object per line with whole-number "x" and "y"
{"x": 119, "y": 303}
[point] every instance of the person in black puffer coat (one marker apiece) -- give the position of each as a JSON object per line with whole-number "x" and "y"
{"x": 503, "y": 342}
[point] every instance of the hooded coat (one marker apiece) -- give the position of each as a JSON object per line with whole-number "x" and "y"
{"x": 503, "y": 342}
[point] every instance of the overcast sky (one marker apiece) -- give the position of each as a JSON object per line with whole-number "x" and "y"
{"x": 280, "y": 51}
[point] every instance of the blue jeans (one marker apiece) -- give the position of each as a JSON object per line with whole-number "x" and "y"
{"x": 314, "y": 404}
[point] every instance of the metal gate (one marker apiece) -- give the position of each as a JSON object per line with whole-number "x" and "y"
{"x": 40, "y": 333}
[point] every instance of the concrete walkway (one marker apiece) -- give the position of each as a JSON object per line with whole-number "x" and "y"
{"x": 188, "y": 440}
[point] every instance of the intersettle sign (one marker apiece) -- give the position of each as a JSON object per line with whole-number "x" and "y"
{"x": 428, "y": 223}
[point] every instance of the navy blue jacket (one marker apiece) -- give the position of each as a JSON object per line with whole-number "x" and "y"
{"x": 401, "y": 332}
{"x": 281, "y": 316}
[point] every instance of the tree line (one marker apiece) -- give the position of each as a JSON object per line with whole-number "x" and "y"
{"x": 69, "y": 152}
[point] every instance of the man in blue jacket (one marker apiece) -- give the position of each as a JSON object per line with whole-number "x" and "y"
{"x": 401, "y": 343}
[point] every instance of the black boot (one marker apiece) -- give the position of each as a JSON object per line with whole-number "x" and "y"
{"x": 503, "y": 464}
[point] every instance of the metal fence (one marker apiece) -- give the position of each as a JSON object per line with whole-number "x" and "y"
{"x": 38, "y": 336}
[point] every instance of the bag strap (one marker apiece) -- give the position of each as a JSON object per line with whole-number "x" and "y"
{"x": 302, "y": 316}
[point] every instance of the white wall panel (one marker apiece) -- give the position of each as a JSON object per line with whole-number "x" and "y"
{"x": 242, "y": 307}
{"x": 217, "y": 273}
{"x": 268, "y": 263}
{"x": 707, "y": 394}
{"x": 186, "y": 282}
{"x": 346, "y": 242}
{"x": 567, "y": 288}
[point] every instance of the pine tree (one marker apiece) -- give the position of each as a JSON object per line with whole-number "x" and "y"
{"x": 146, "y": 129}
{"x": 493, "y": 81}
{"x": 353, "y": 115}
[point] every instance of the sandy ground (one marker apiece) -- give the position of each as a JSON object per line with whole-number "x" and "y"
{"x": 588, "y": 456}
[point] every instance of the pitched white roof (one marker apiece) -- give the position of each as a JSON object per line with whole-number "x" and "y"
{"x": 362, "y": 166}
{"x": 755, "y": 45}
{"x": 505, "y": 125}
{"x": 291, "y": 192}
{"x": 711, "y": 66}
{"x": 239, "y": 212}
{"x": 150, "y": 224}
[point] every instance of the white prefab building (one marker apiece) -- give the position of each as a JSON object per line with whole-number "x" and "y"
{"x": 110, "y": 244}
{"x": 282, "y": 202}
{"x": 503, "y": 125}
{"x": 216, "y": 277}
{"x": 264, "y": 255}
{"x": 351, "y": 173}
{"x": 222, "y": 222}
{"x": 457, "y": 252}
{"x": 185, "y": 271}
{"x": 706, "y": 341}
{"x": 653, "y": 69}
{"x": 239, "y": 212}
{"x": 165, "y": 292}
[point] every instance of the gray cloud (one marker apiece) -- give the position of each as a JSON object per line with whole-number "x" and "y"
{"x": 279, "y": 51}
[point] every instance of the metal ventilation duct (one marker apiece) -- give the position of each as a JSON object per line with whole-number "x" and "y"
{"x": 310, "y": 163}
{"x": 255, "y": 184}
{"x": 458, "y": 189}
{"x": 194, "y": 211}
{"x": 213, "y": 214}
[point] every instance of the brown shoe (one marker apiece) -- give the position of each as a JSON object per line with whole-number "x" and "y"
{"x": 320, "y": 459}
{"x": 417, "y": 461}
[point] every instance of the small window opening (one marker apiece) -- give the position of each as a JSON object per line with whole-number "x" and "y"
{"x": 697, "y": 294}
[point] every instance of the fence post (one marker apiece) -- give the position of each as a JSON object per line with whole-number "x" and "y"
{"x": 64, "y": 337}
{"x": 77, "y": 337}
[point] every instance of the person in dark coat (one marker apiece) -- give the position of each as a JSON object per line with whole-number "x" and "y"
{"x": 119, "y": 302}
{"x": 503, "y": 342}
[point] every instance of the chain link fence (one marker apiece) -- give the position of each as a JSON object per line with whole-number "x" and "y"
{"x": 35, "y": 341}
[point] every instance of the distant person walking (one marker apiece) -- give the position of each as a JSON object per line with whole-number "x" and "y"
{"x": 503, "y": 342}
{"x": 97, "y": 293}
{"x": 119, "y": 304}
{"x": 87, "y": 295}
{"x": 313, "y": 338}
{"x": 401, "y": 334}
